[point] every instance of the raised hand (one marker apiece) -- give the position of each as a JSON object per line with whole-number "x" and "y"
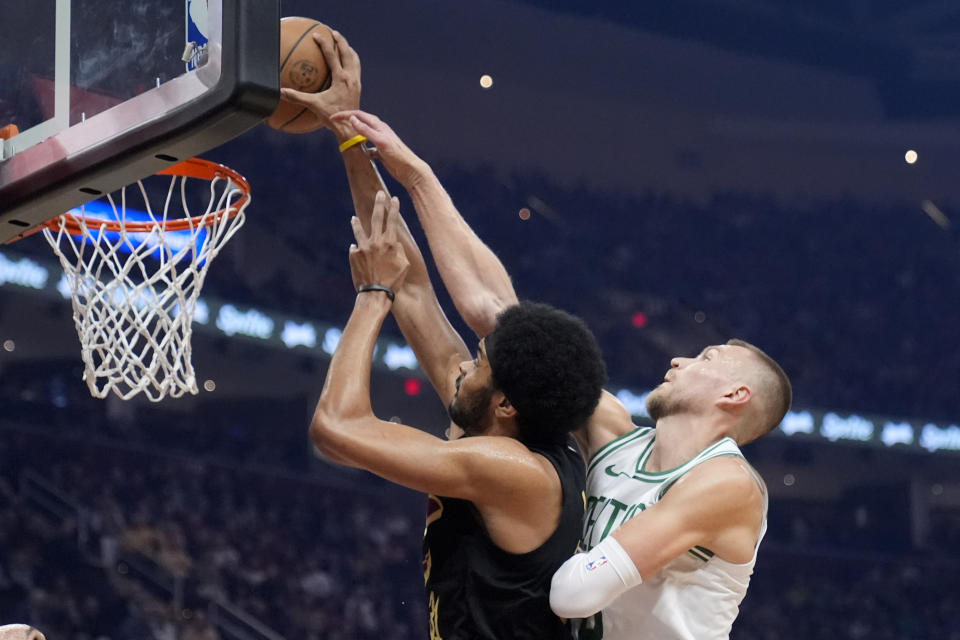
{"x": 344, "y": 91}
{"x": 378, "y": 257}
{"x": 402, "y": 163}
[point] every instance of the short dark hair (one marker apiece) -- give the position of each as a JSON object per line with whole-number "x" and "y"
{"x": 549, "y": 366}
{"x": 777, "y": 392}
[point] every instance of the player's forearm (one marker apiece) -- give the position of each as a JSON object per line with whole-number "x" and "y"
{"x": 588, "y": 582}
{"x": 477, "y": 281}
{"x": 437, "y": 345}
{"x": 365, "y": 181}
{"x": 346, "y": 391}
{"x": 418, "y": 314}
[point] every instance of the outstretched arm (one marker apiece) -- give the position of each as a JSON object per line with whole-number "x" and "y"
{"x": 437, "y": 345}
{"x": 378, "y": 265}
{"x": 473, "y": 275}
{"x": 476, "y": 279}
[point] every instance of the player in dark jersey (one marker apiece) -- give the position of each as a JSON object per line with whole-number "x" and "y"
{"x": 506, "y": 495}
{"x": 506, "y": 490}
{"x": 476, "y": 589}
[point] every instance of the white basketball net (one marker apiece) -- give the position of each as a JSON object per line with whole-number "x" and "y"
{"x": 134, "y": 294}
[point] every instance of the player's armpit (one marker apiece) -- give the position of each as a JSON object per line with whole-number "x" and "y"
{"x": 718, "y": 505}
{"x": 610, "y": 420}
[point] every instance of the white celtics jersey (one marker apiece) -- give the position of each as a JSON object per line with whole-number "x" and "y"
{"x": 696, "y": 596}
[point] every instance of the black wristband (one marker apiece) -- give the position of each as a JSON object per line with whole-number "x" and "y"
{"x": 378, "y": 287}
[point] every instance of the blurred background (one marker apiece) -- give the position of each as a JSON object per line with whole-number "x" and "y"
{"x": 676, "y": 174}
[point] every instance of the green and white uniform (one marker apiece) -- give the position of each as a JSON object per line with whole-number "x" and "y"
{"x": 696, "y": 596}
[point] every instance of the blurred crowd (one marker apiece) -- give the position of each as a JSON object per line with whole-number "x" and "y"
{"x": 158, "y": 540}
{"x": 103, "y": 538}
{"x": 811, "y": 597}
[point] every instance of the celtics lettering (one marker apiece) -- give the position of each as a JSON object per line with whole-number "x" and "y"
{"x": 603, "y": 515}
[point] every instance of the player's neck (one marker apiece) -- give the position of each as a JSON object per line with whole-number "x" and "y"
{"x": 502, "y": 428}
{"x": 680, "y": 437}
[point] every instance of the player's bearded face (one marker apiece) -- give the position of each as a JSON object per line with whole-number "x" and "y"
{"x": 470, "y": 409}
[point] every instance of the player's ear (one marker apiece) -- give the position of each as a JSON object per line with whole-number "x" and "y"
{"x": 736, "y": 399}
{"x": 502, "y": 407}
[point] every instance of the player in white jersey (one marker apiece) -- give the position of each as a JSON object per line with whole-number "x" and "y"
{"x": 675, "y": 514}
{"x": 696, "y": 595}
{"x": 716, "y": 507}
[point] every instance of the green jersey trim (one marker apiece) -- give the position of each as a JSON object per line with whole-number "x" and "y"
{"x": 697, "y": 554}
{"x": 613, "y": 445}
{"x": 723, "y": 454}
{"x": 643, "y": 474}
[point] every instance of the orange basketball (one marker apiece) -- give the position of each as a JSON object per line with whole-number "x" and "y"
{"x": 303, "y": 68}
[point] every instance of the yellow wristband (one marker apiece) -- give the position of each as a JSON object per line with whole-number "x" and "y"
{"x": 355, "y": 140}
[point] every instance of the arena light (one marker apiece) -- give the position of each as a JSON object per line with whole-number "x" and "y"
{"x": 299, "y": 335}
{"x": 331, "y": 338}
{"x": 853, "y": 427}
{"x": 176, "y": 240}
{"x": 798, "y": 422}
{"x": 412, "y": 386}
{"x": 251, "y": 323}
{"x": 936, "y": 214}
{"x": 399, "y": 357}
{"x": 896, "y": 433}
{"x": 23, "y": 272}
{"x": 201, "y": 312}
{"x": 934, "y": 438}
{"x": 635, "y": 403}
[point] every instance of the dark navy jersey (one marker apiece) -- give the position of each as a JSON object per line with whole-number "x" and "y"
{"x": 475, "y": 589}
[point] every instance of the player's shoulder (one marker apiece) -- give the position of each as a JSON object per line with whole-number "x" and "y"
{"x": 730, "y": 478}
{"x": 610, "y": 421}
{"x": 500, "y": 454}
{"x": 718, "y": 492}
{"x": 514, "y": 477}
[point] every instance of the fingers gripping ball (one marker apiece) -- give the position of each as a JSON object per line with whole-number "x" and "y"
{"x": 303, "y": 68}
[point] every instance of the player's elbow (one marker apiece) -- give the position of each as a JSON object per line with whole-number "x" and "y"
{"x": 324, "y": 433}
{"x": 567, "y": 601}
{"x": 570, "y": 594}
{"x": 588, "y": 582}
{"x": 480, "y": 312}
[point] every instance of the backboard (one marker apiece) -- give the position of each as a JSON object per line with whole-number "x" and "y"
{"x": 104, "y": 93}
